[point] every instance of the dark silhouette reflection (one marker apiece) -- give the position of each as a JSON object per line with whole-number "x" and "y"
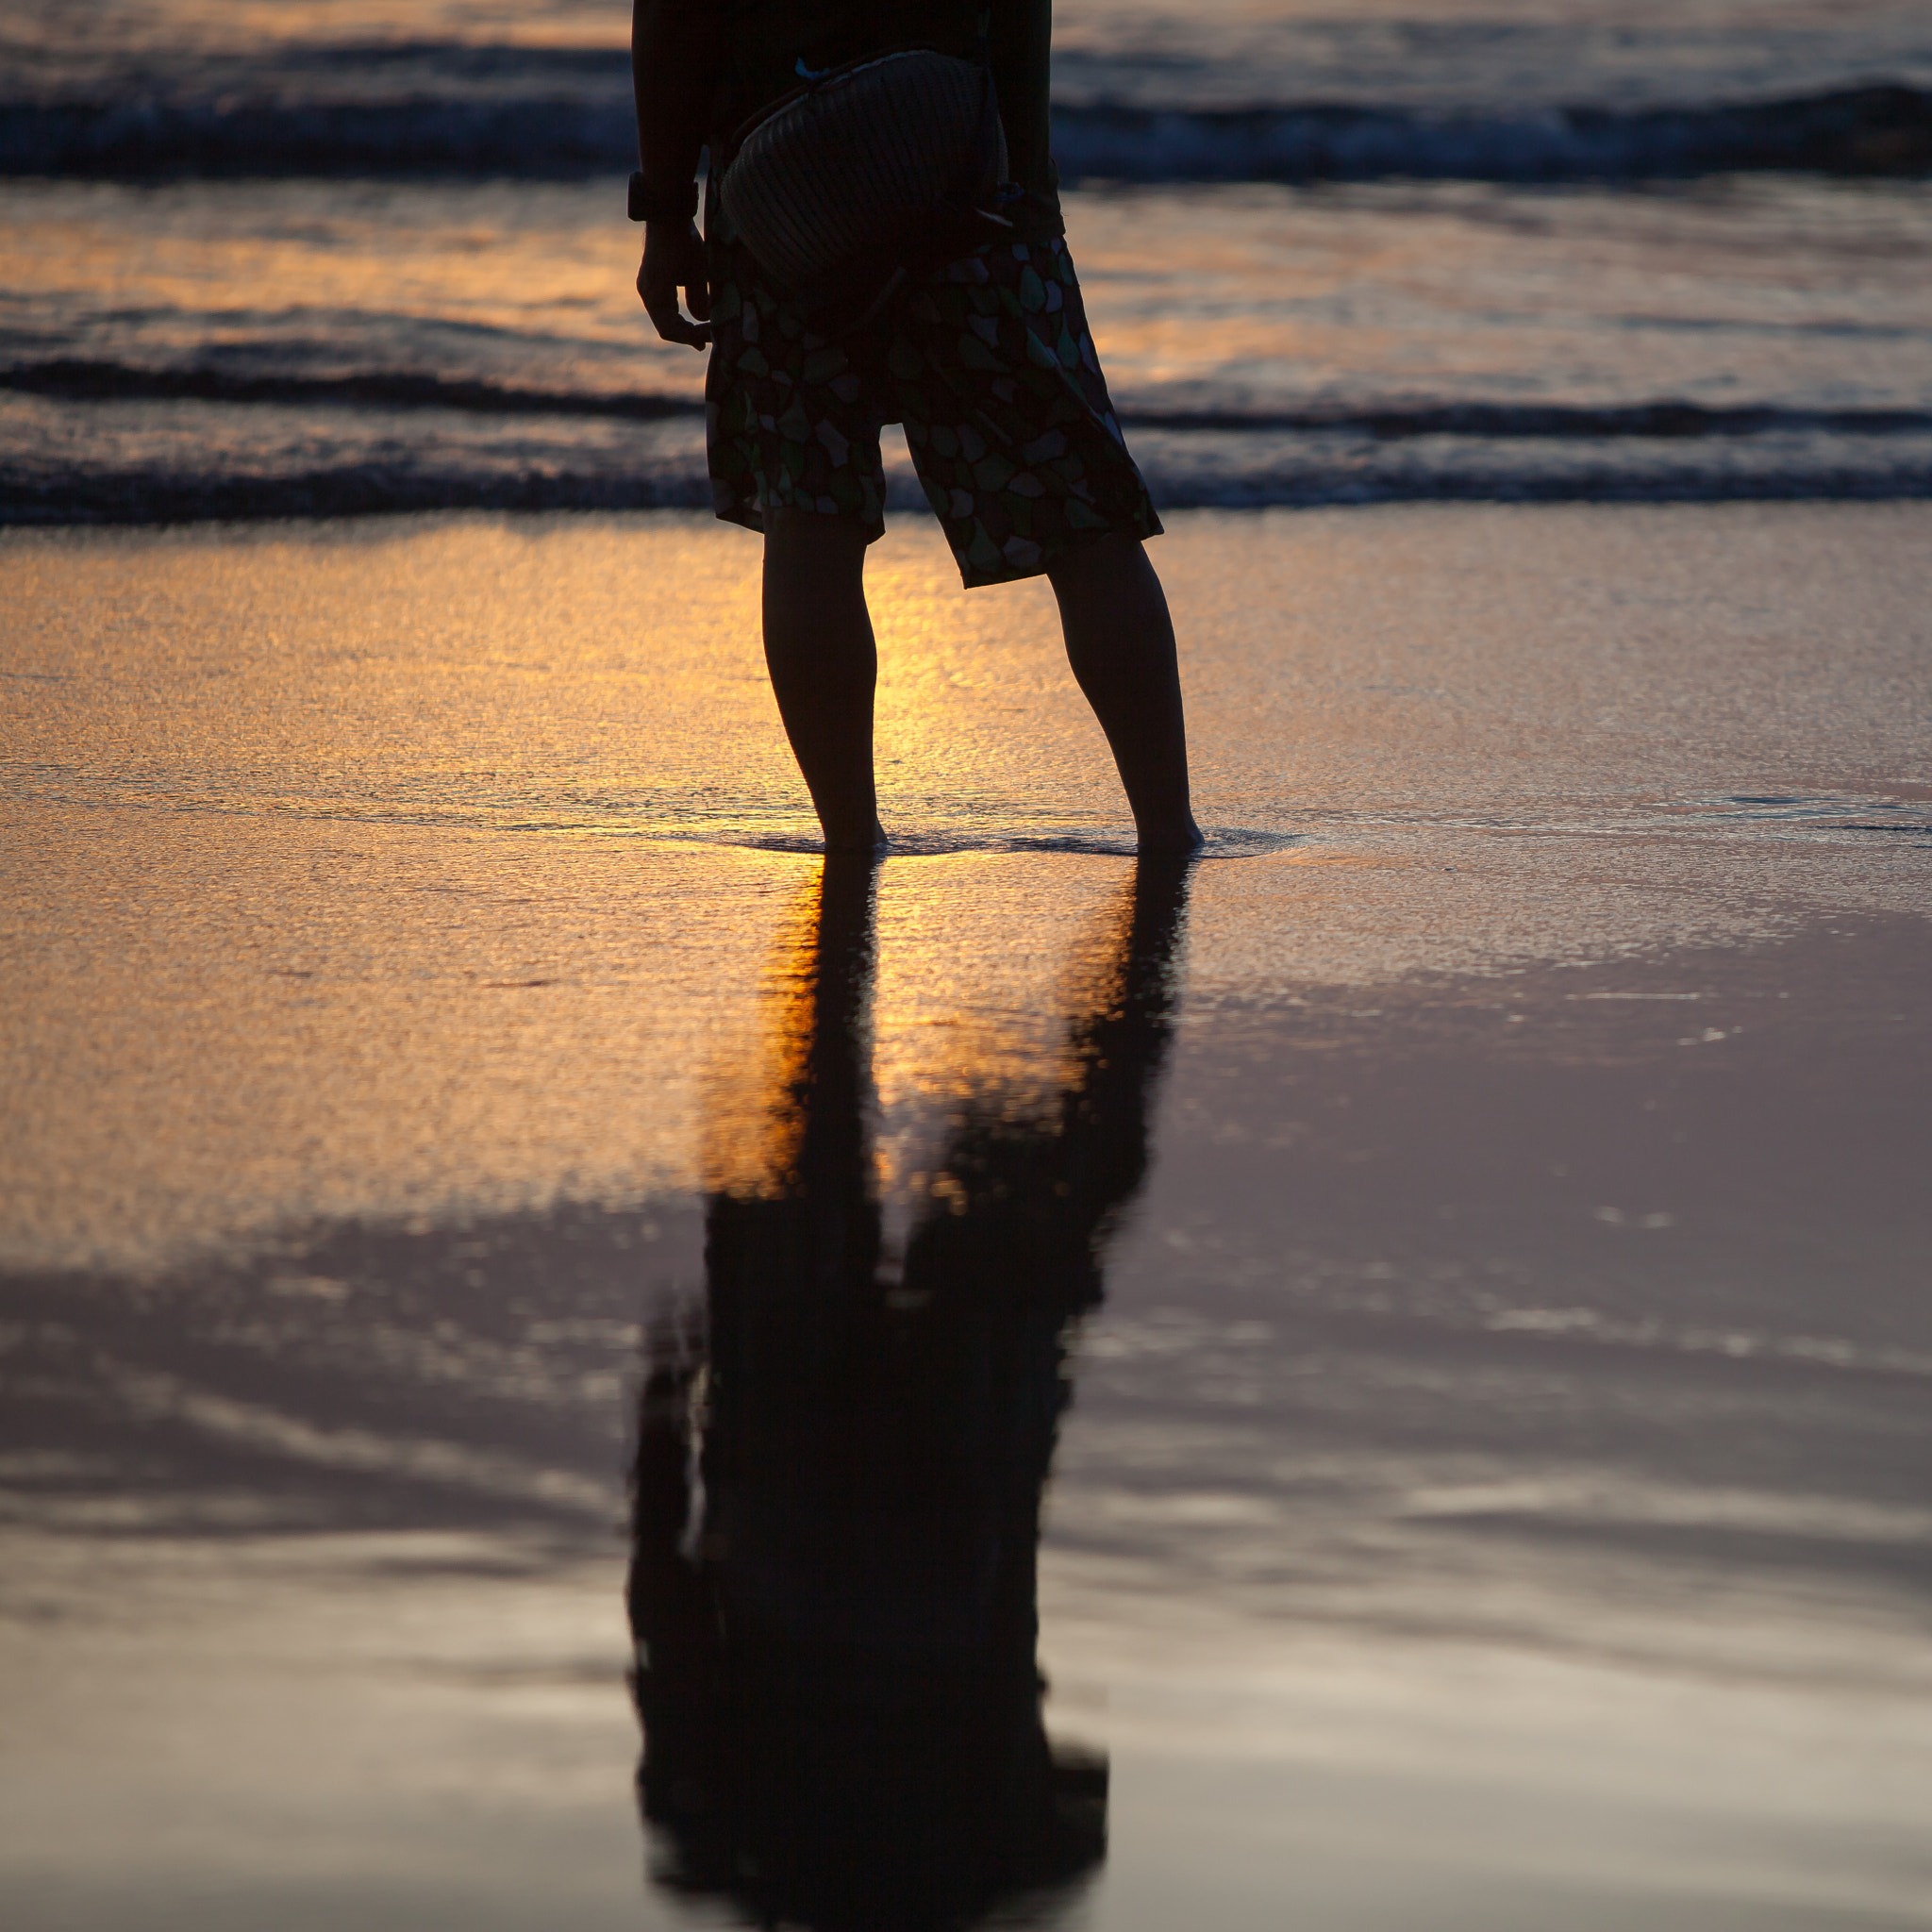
{"x": 840, "y": 1468}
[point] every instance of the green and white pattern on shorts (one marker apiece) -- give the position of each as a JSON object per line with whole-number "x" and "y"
{"x": 989, "y": 365}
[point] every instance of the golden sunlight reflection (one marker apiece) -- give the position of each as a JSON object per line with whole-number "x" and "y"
{"x": 981, "y": 958}
{"x": 256, "y": 23}
{"x": 975, "y": 976}
{"x": 375, "y": 255}
{"x": 754, "y": 1118}
{"x": 352, "y": 964}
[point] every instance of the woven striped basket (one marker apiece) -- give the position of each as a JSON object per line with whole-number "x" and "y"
{"x": 861, "y": 161}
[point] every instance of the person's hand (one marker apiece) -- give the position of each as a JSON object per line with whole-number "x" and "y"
{"x": 673, "y": 260}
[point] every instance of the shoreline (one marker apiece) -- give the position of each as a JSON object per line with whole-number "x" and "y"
{"x": 136, "y": 500}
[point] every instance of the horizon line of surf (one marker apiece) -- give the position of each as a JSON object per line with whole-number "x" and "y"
{"x": 1883, "y": 127}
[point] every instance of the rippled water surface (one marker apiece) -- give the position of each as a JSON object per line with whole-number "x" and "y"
{"x": 295, "y": 259}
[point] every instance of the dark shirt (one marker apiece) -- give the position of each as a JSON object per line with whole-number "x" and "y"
{"x": 704, "y": 67}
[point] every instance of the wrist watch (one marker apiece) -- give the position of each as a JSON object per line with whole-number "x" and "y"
{"x": 646, "y": 204}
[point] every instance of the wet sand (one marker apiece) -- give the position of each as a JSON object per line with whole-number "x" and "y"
{"x": 1496, "y": 1487}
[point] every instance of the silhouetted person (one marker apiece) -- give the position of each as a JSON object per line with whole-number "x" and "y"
{"x": 987, "y": 361}
{"x": 835, "y": 1623}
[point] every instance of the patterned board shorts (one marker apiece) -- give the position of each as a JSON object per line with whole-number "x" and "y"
{"x": 989, "y": 365}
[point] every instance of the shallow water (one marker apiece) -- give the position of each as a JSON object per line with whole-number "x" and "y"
{"x": 1486, "y": 1202}
{"x": 242, "y": 348}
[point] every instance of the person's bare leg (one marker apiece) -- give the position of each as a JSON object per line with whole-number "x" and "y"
{"x": 819, "y": 649}
{"x": 1120, "y": 642}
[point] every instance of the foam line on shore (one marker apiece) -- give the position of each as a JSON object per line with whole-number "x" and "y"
{"x": 83, "y": 380}
{"x": 111, "y": 496}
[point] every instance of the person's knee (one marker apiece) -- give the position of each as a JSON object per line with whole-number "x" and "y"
{"x": 814, "y": 590}
{"x": 790, "y": 531}
{"x": 1114, "y": 557}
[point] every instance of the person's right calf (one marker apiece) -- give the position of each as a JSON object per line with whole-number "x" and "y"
{"x": 1120, "y": 642}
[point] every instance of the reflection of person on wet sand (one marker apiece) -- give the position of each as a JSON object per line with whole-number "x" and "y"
{"x": 836, "y": 1622}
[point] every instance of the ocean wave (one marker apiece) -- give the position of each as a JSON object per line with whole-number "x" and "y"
{"x": 71, "y": 378}
{"x": 1874, "y": 129}
{"x": 162, "y": 495}
{"x": 1511, "y": 421}
{"x": 1879, "y": 129}
{"x": 384, "y": 488}
{"x": 145, "y": 140}
{"x": 79, "y": 379}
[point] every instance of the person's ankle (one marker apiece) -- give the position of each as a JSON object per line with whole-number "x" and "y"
{"x": 1175, "y": 836}
{"x": 854, "y": 838}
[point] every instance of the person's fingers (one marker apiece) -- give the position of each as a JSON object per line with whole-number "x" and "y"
{"x": 660, "y": 297}
{"x": 663, "y": 270}
{"x": 669, "y": 324}
{"x": 692, "y": 273}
